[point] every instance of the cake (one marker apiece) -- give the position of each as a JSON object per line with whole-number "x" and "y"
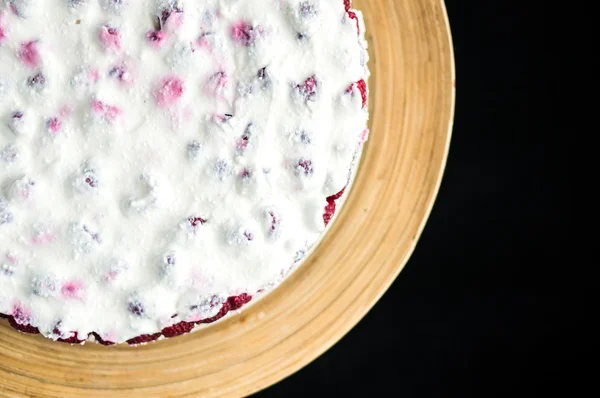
{"x": 162, "y": 162}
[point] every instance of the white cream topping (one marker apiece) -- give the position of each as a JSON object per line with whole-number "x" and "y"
{"x": 120, "y": 122}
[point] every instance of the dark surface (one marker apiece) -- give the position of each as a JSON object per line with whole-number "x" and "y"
{"x": 474, "y": 311}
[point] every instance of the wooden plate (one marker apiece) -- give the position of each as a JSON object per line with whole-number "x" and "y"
{"x": 411, "y": 104}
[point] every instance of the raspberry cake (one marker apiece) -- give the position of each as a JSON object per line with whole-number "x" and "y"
{"x": 163, "y": 162}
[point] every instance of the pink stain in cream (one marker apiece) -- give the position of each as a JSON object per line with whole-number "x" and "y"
{"x": 2, "y": 31}
{"x": 65, "y": 111}
{"x": 21, "y": 314}
{"x": 12, "y": 259}
{"x": 199, "y": 280}
{"x": 156, "y": 38}
{"x": 94, "y": 75}
{"x": 24, "y": 193}
{"x": 173, "y": 22}
{"x": 168, "y": 91}
{"x": 54, "y": 125}
{"x": 111, "y": 276}
{"x": 365, "y": 135}
{"x": 110, "y": 113}
{"x": 73, "y": 289}
{"x": 43, "y": 238}
{"x": 29, "y": 54}
{"x": 244, "y": 34}
{"x": 204, "y": 43}
{"x": 110, "y": 38}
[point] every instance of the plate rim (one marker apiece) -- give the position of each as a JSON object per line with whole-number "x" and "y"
{"x": 240, "y": 319}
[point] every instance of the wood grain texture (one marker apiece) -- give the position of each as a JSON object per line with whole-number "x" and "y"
{"x": 411, "y": 105}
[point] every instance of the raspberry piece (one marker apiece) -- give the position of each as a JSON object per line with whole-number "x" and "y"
{"x": 10, "y": 153}
{"x": 245, "y": 34}
{"x": 248, "y": 183}
{"x": 7, "y": 269}
{"x": 205, "y": 309}
{"x": 222, "y": 169}
{"x": 44, "y": 286}
{"x": 222, "y": 119}
{"x": 193, "y": 149}
{"x": 168, "y": 92}
{"x": 170, "y": 14}
{"x": 331, "y": 206}
{"x": 156, "y": 38}
{"x": 304, "y": 167}
{"x": 114, "y": 269}
{"x": 77, "y": 3}
{"x": 86, "y": 181}
{"x": 191, "y": 225}
{"x": 21, "y": 320}
{"x": 195, "y": 222}
{"x": 307, "y": 9}
{"x": 167, "y": 264}
{"x": 82, "y": 239}
{"x": 361, "y": 85}
{"x": 108, "y": 113}
{"x": 6, "y": 215}
{"x": 21, "y": 8}
{"x": 43, "y": 235}
{"x": 25, "y": 328}
{"x": 100, "y": 340}
{"x": 71, "y": 340}
{"x": 351, "y": 14}
{"x": 63, "y": 336}
{"x": 54, "y": 125}
{"x": 274, "y": 223}
{"x": 114, "y": 6}
{"x": 22, "y": 189}
{"x": 121, "y": 73}
{"x": 37, "y": 82}
{"x": 240, "y": 237}
{"x": 263, "y": 78}
{"x": 301, "y": 137}
{"x": 246, "y": 174}
{"x": 178, "y": 329}
{"x": 29, "y": 54}
{"x": 72, "y": 289}
{"x": 84, "y": 79}
{"x": 308, "y": 89}
{"x": 110, "y": 38}
{"x": 246, "y": 138}
{"x": 145, "y": 338}
{"x": 233, "y": 303}
{"x": 135, "y": 307}
{"x": 10, "y": 265}
{"x": 19, "y": 123}
{"x": 236, "y": 302}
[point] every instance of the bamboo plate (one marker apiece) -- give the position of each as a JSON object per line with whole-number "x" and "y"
{"x": 411, "y": 104}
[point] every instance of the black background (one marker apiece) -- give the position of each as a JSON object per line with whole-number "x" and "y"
{"x": 474, "y": 311}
